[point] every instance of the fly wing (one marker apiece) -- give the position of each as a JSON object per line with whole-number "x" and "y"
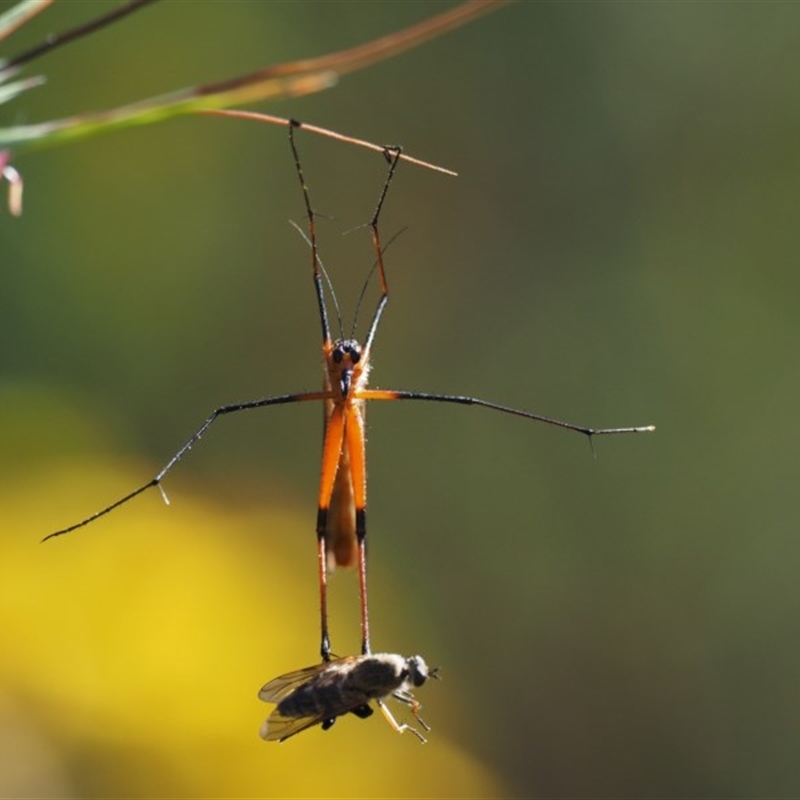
{"x": 278, "y": 728}
{"x": 320, "y": 698}
{"x": 282, "y": 686}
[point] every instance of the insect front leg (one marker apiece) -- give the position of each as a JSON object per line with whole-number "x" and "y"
{"x": 213, "y": 417}
{"x": 397, "y": 726}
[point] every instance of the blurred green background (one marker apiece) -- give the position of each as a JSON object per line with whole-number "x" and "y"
{"x": 619, "y": 249}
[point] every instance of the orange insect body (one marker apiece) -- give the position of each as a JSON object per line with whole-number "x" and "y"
{"x": 341, "y": 514}
{"x": 343, "y": 485}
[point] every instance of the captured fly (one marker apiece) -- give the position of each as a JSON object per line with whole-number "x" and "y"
{"x": 321, "y": 693}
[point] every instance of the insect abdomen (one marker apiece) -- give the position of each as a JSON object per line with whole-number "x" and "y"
{"x": 322, "y": 698}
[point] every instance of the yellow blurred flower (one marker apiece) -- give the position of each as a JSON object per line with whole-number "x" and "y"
{"x": 133, "y": 651}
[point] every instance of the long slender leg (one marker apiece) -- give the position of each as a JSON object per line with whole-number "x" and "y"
{"x": 355, "y": 434}
{"x": 215, "y": 415}
{"x": 388, "y": 394}
{"x": 331, "y": 455}
{"x": 357, "y": 452}
{"x": 322, "y": 567}
{"x": 354, "y": 429}
{"x": 334, "y": 425}
{"x": 361, "y": 534}
{"x": 312, "y": 237}
{"x": 393, "y": 154}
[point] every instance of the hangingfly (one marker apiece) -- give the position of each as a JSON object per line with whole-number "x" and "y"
{"x": 319, "y": 694}
{"x": 342, "y": 500}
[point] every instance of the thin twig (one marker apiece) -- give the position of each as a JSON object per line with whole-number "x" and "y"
{"x": 340, "y": 137}
{"x": 288, "y": 79}
{"x": 57, "y": 39}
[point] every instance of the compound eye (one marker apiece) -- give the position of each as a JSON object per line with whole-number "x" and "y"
{"x": 338, "y": 355}
{"x": 418, "y": 670}
{"x": 355, "y": 355}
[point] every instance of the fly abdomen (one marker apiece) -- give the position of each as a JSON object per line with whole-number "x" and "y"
{"x": 327, "y": 697}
